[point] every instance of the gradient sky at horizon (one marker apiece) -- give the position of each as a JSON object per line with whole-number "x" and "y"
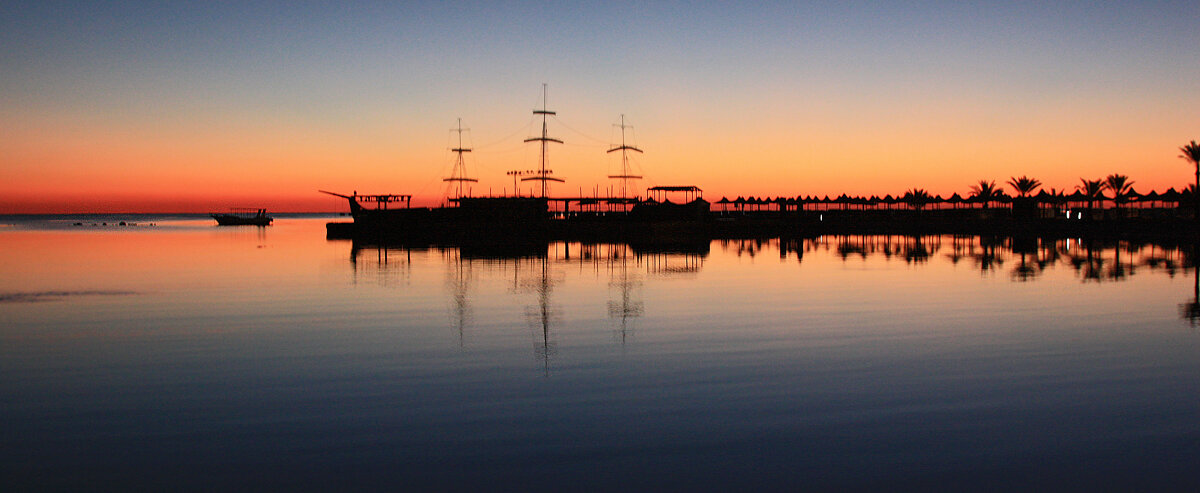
{"x": 129, "y": 106}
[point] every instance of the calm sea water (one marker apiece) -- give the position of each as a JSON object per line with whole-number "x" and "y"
{"x": 171, "y": 353}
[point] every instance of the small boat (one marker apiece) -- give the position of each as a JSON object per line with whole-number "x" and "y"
{"x": 243, "y": 217}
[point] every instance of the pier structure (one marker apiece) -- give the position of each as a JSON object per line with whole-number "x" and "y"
{"x": 661, "y": 193}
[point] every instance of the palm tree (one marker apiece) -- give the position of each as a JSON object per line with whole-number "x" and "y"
{"x": 985, "y": 191}
{"x": 1191, "y": 154}
{"x": 1024, "y": 185}
{"x": 1120, "y": 186}
{"x": 1093, "y": 189}
{"x": 917, "y": 197}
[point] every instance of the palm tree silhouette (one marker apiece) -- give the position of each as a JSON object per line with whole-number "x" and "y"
{"x": 985, "y": 191}
{"x": 1022, "y": 205}
{"x": 1120, "y": 186}
{"x": 917, "y": 198}
{"x": 1024, "y": 185}
{"x": 1093, "y": 189}
{"x": 1191, "y": 154}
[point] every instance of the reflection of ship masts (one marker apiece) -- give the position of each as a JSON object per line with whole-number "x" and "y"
{"x": 544, "y": 302}
{"x": 625, "y": 175}
{"x": 459, "y": 174}
{"x": 628, "y": 308}
{"x": 543, "y": 174}
{"x": 461, "y": 303}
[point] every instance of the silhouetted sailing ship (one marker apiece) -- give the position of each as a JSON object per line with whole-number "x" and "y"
{"x": 517, "y": 219}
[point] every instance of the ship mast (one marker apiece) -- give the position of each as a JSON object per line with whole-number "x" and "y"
{"x": 543, "y": 174}
{"x": 459, "y": 174}
{"x": 625, "y": 175}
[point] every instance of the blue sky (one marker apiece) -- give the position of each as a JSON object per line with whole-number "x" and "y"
{"x": 785, "y": 86}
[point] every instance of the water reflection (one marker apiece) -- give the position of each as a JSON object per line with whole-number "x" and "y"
{"x": 1190, "y": 311}
{"x": 1021, "y": 258}
{"x": 542, "y": 314}
{"x": 921, "y": 361}
{"x": 458, "y": 281}
{"x": 382, "y": 266}
{"x": 1092, "y": 260}
{"x": 627, "y": 306}
{"x": 535, "y": 272}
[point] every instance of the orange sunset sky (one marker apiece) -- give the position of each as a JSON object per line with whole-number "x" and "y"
{"x": 130, "y": 107}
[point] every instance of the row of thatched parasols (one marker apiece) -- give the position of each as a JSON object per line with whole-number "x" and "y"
{"x": 921, "y": 199}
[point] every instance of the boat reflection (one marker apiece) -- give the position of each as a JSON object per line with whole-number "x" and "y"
{"x": 535, "y": 271}
{"x": 542, "y": 314}
{"x": 382, "y": 266}
{"x": 458, "y": 282}
{"x": 627, "y": 306}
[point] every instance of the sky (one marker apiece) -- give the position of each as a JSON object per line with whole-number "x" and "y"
{"x": 170, "y": 107}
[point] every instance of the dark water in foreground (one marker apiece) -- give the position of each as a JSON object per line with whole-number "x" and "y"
{"x": 184, "y": 354}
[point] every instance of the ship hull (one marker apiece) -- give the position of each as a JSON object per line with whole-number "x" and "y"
{"x": 233, "y": 220}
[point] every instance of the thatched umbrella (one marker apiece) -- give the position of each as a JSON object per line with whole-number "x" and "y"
{"x": 842, "y": 200}
{"x": 1171, "y": 195}
{"x": 1132, "y": 196}
{"x": 955, "y": 200}
{"x": 984, "y": 202}
{"x": 1078, "y": 197}
{"x": 1151, "y": 197}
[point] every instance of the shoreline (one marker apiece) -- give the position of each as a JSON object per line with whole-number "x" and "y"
{"x": 750, "y": 225}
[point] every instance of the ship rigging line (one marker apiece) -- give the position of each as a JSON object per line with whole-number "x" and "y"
{"x": 524, "y": 129}
{"x": 586, "y": 136}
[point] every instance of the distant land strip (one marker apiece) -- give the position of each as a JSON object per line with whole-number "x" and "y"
{"x": 39, "y": 296}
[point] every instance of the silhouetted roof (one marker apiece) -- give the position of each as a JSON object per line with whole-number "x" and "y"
{"x": 679, "y": 188}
